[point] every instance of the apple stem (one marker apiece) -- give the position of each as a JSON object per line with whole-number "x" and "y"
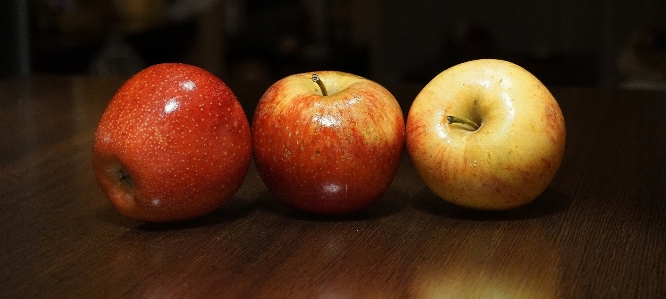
{"x": 461, "y": 120}
{"x": 315, "y": 79}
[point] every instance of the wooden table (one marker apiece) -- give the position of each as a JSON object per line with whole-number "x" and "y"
{"x": 598, "y": 231}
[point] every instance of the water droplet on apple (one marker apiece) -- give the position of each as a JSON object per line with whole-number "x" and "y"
{"x": 326, "y": 120}
{"x": 332, "y": 188}
{"x": 188, "y": 85}
{"x": 353, "y": 101}
{"x": 171, "y": 105}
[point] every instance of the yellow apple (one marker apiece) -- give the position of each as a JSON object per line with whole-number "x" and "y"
{"x": 486, "y": 134}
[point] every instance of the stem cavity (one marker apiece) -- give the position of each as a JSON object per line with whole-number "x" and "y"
{"x": 460, "y": 120}
{"x": 315, "y": 79}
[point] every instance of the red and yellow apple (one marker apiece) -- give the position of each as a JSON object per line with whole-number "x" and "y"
{"x": 327, "y": 143}
{"x": 173, "y": 143}
{"x": 486, "y": 134}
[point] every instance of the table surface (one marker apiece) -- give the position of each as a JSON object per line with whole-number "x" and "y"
{"x": 598, "y": 231}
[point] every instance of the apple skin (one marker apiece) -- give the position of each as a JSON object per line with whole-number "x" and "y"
{"x": 512, "y": 157}
{"x": 173, "y": 143}
{"x": 334, "y": 154}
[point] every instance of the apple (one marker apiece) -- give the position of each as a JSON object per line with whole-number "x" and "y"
{"x": 328, "y": 142}
{"x": 173, "y": 143}
{"x": 486, "y": 134}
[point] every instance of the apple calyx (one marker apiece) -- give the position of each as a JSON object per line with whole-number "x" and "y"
{"x": 461, "y": 120}
{"x": 125, "y": 178}
{"x": 316, "y": 79}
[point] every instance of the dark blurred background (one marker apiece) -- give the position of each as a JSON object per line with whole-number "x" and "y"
{"x": 563, "y": 42}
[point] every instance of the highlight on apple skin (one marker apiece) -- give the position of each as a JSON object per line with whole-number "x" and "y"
{"x": 173, "y": 143}
{"x": 327, "y": 142}
{"x": 486, "y": 134}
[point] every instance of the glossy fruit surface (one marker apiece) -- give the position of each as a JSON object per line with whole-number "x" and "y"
{"x": 335, "y": 153}
{"x": 510, "y": 158}
{"x": 173, "y": 143}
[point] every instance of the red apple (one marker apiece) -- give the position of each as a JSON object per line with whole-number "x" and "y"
{"x": 486, "y": 134}
{"x": 327, "y": 144}
{"x": 174, "y": 143}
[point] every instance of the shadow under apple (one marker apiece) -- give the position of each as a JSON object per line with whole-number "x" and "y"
{"x": 551, "y": 201}
{"x": 390, "y": 203}
{"x": 232, "y": 210}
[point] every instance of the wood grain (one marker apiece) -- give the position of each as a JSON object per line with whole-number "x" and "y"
{"x": 599, "y": 230}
